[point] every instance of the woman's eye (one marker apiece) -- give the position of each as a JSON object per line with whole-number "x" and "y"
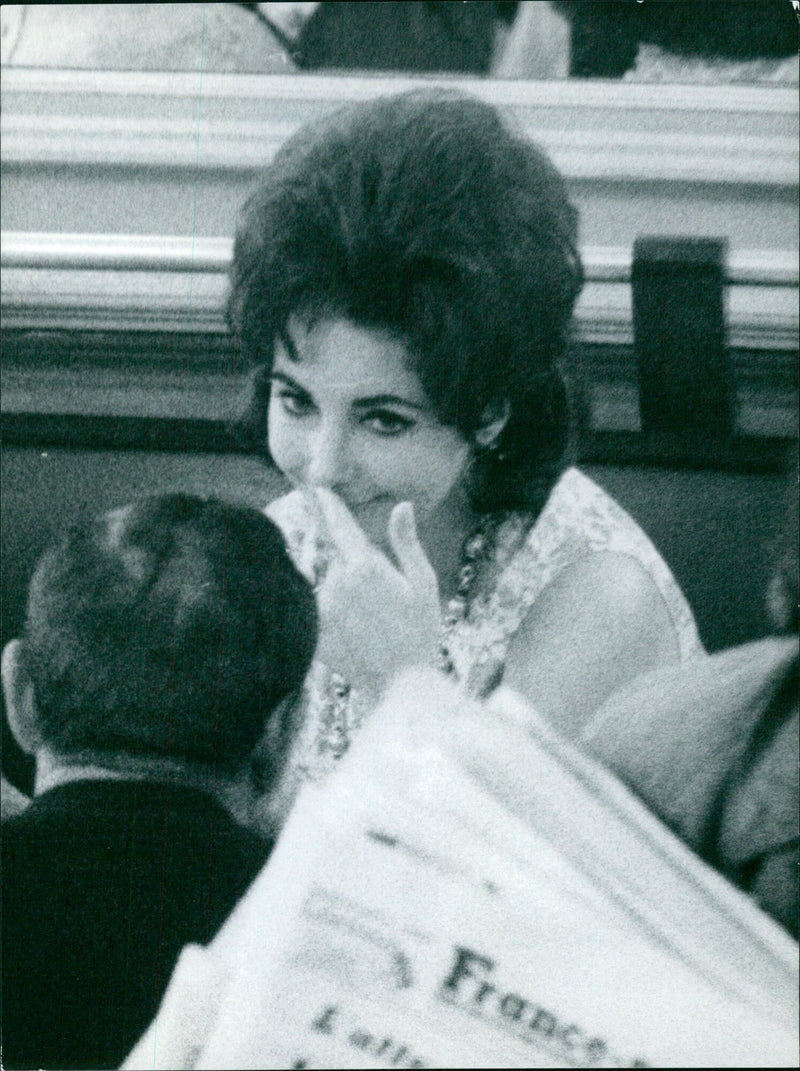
{"x": 294, "y": 404}
{"x": 388, "y": 423}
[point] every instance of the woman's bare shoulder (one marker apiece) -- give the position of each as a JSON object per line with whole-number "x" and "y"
{"x": 606, "y": 584}
{"x": 600, "y": 623}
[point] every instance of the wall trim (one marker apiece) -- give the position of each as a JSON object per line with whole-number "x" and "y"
{"x": 199, "y": 376}
{"x": 641, "y": 159}
{"x": 152, "y": 252}
{"x": 593, "y": 129}
{"x": 155, "y": 282}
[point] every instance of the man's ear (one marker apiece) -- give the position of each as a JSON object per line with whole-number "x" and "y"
{"x": 19, "y": 697}
{"x": 494, "y": 419}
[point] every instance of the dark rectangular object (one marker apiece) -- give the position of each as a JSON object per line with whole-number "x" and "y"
{"x": 686, "y": 385}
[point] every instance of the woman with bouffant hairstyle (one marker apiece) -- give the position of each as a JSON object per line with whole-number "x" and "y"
{"x": 403, "y": 282}
{"x": 378, "y": 214}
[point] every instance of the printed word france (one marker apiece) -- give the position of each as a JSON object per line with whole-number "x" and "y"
{"x": 468, "y": 987}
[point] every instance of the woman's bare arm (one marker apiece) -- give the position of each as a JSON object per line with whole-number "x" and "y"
{"x": 598, "y": 625}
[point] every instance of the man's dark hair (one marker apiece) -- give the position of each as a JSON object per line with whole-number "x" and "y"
{"x": 171, "y": 627}
{"x": 424, "y": 215}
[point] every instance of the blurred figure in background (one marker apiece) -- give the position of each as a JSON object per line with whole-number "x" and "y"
{"x": 693, "y": 40}
{"x": 439, "y": 37}
{"x": 650, "y": 40}
{"x": 159, "y": 641}
{"x": 643, "y": 40}
{"x": 712, "y": 748}
{"x": 141, "y": 37}
{"x": 255, "y": 38}
{"x": 689, "y": 41}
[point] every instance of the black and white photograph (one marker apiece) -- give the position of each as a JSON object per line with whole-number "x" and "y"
{"x": 399, "y": 514}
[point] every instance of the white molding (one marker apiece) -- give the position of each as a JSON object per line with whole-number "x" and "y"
{"x": 764, "y": 318}
{"x": 106, "y": 300}
{"x": 593, "y": 130}
{"x": 599, "y": 93}
{"x": 152, "y": 282}
{"x": 167, "y": 253}
{"x": 114, "y": 252}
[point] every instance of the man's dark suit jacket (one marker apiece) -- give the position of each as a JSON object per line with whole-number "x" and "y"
{"x": 103, "y": 883}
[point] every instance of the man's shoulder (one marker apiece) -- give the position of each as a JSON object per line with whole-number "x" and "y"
{"x": 180, "y": 857}
{"x": 110, "y": 823}
{"x": 204, "y": 839}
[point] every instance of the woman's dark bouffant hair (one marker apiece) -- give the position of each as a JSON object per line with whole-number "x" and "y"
{"x": 424, "y": 215}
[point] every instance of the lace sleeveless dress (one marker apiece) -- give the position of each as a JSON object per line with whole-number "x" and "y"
{"x": 578, "y": 519}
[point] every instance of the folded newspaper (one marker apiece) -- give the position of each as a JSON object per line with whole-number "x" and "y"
{"x": 467, "y": 890}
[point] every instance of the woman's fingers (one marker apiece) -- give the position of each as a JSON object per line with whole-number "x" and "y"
{"x": 337, "y": 523}
{"x": 406, "y": 546}
{"x": 296, "y": 516}
{"x": 376, "y": 615}
{"x": 343, "y": 532}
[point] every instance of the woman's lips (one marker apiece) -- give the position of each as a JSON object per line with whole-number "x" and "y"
{"x": 359, "y": 507}
{"x": 372, "y": 516}
{"x": 368, "y": 503}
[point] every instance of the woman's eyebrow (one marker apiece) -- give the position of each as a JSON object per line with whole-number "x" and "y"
{"x": 281, "y": 377}
{"x": 372, "y": 402}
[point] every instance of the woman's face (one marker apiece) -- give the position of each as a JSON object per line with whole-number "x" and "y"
{"x": 347, "y": 413}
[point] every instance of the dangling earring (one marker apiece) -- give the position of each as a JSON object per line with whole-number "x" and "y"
{"x": 487, "y": 438}
{"x": 491, "y": 448}
{"x": 484, "y": 442}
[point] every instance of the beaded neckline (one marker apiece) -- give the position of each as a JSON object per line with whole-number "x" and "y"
{"x": 476, "y": 549}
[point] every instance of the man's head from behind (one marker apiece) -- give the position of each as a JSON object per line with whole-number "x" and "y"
{"x": 167, "y": 629}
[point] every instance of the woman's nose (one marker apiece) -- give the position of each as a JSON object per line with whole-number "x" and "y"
{"x": 328, "y": 458}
